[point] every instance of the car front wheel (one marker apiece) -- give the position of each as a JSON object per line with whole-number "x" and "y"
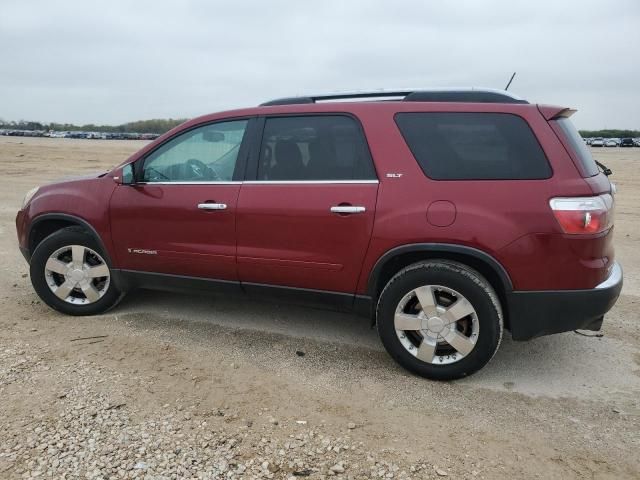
{"x": 440, "y": 319}
{"x": 70, "y": 273}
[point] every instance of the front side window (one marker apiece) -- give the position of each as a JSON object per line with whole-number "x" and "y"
{"x": 204, "y": 154}
{"x": 473, "y": 146}
{"x": 323, "y": 147}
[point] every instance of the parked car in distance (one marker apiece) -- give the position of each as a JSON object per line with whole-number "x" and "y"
{"x": 76, "y": 135}
{"x": 444, "y": 216}
{"x": 627, "y": 142}
{"x": 611, "y": 142}
{"x": 149, "y": 136}
{"x": 597, "y": 142}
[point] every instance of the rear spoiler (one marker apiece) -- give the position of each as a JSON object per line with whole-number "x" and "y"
{"x": 551, "y": 112}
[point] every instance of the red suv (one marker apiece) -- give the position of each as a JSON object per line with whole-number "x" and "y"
{"x": 445, "y": 216}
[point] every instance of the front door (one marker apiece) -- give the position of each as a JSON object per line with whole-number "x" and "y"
{"x": 180, "y": 216}
{"x": 306, "y": 217}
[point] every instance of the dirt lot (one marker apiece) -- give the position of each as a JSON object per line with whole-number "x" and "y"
{"x": 208, "y": 387}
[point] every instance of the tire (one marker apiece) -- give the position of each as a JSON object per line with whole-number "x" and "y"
{"x": 71, "y": 260}
{"x": 418, "y": 338}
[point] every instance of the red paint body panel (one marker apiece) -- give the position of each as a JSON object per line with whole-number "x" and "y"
{"x": 441, "y": 213}
{"x": 288, "y": 236}
{"x": 85, "y": 198}
{"x": 490, "y": 214}
{"x": 166, "y": 219}
{"x": 542, "y": 261}
{"x": 551, "y": 111}
{"x": 285, "y": 235}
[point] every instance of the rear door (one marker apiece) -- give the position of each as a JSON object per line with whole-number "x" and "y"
{"x": 305, "y": 217}
{"x": 179, "y": 217}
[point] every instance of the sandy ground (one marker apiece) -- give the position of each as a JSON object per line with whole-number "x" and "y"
{"x": 565, "y": 406}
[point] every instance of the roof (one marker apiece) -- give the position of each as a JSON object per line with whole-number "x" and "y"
{"x": 467, "y": 95}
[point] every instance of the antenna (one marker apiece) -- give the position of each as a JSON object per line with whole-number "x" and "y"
{"x": 510, "y": 80}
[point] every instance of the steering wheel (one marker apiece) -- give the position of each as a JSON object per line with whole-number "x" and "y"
{"x": 198, "y": 169}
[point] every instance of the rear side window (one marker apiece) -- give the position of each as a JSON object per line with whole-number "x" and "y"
{"x": 575, "y": 143}
{"x": 323, "y": 147}
{"x": 473, "y": 146}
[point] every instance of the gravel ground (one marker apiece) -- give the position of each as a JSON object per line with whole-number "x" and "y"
{"x": 170, "y": 386}
{"x": 93, "y": 436}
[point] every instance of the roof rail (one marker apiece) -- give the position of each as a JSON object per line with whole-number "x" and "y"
{"x": 471, "y": 95}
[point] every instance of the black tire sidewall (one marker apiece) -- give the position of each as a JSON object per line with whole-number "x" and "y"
{"x": 55, "y": 241}
{"x": 458, "y": 278}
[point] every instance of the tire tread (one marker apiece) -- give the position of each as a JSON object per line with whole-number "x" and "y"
{"x": 75, "y": 234}
{"x": 459, "y": 269}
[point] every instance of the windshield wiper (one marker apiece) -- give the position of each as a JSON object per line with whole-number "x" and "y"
{"x": 607, "y": 171}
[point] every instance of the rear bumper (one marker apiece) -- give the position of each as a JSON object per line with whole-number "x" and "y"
{"x": 537, "y": 313}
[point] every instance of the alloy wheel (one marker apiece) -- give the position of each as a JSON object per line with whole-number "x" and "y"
{"x": 436, "y": 324}
{"x": 77, "y": 274}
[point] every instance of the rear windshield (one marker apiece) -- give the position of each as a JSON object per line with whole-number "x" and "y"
{"x": 578, "y": 147}
{"x": 473, "y": 146}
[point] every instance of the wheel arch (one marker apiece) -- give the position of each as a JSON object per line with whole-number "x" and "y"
{"x": 44, "y": 225}
{"x": 400, "y": 257}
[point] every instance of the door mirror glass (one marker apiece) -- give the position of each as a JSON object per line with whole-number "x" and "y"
{"x": 127, "y": 174}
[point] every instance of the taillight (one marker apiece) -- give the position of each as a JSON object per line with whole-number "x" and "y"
{"x": 583, "y": 215}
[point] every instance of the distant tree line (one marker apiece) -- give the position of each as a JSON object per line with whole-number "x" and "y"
{"x": 156, "y": 125}
{"x": 162, "y": 125}
{"x": 610, "y": 133}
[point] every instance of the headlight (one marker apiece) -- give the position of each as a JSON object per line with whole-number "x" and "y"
{"x": 29, "y": 195}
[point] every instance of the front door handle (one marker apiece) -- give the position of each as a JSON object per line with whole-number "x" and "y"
{"x": 347, "y": 209}
{"x": 212, "y": 206}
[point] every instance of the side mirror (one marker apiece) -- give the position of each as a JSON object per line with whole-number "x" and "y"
{"x": 126, "y": 175}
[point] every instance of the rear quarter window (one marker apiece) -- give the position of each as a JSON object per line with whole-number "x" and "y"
{"x": 473, "y": 146}
{"x": 574, "y": 143}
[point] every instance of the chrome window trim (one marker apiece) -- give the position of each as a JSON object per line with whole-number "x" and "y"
{"x": 267, "y": 182}
{"x": 308, "y": 182}
{"x": 189, "y": 183}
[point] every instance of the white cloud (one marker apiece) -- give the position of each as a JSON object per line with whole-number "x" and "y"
{"x": 115, "y": 61}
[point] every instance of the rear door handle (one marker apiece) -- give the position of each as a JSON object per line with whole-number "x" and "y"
{"x": 347, "y": 209}
{"x": 212, "y": 206}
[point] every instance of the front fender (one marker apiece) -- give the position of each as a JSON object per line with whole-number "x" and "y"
{"x": 80, "y": 202}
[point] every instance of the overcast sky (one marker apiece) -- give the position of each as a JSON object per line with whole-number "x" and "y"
{"x": 114, "y": 61}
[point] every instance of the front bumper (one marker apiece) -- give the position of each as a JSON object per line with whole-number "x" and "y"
{"x": 21, "y": 230}
{"x": 537, "y": 313}
{"x": 26, "y": 254}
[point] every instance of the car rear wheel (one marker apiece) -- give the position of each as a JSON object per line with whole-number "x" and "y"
{"x": 441, "y": 320}
{"x": 70, "y": 273}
